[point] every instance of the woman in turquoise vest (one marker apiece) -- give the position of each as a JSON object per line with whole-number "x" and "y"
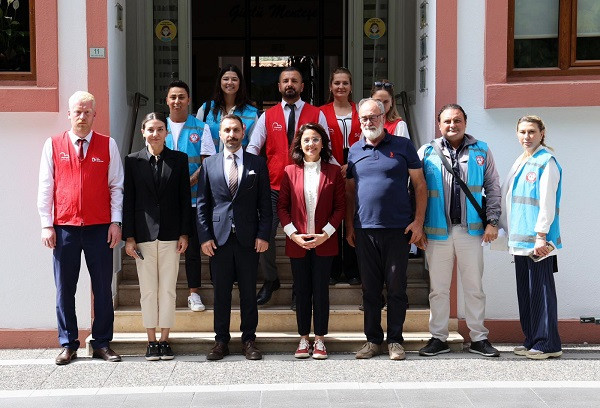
{"x": 531, "y": 195}
{"x": 230, "y": 97}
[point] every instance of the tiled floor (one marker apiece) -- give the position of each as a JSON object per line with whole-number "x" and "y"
{"x": 30, "y": 378}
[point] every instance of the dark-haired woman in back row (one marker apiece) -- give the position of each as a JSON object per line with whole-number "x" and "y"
{"x": 230, "y": 97}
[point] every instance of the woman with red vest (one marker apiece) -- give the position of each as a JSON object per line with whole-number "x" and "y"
{"x": 384, "y": 91}
{"x": 344, "y": 130}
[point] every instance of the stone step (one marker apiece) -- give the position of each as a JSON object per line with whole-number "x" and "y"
{"x": 415, "y": 269}
{"x": 341, "y": 294}
{"x": 267, "y": 342}
{"x": 272, "y": 319}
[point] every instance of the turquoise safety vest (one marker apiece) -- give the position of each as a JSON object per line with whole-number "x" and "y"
{"x": 189, "y": 142}
{"x": 248, "y": 116}
{"x": 525, "y": 204}
{"x": 436, "y": 225}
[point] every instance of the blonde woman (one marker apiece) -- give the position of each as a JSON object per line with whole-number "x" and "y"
{"x": 532, "y": 197}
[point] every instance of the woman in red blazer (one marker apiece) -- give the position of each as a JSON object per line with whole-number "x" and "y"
{"x": 311, "y": 206}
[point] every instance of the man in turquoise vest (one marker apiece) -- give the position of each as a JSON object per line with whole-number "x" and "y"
{"x": 454, "y": 229}
{"x": 192, "y": 137}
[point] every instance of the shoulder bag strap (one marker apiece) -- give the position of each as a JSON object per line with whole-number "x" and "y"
{"x": 462, "y": 184}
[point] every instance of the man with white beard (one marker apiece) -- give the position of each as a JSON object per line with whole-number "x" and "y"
{"x": 381, "y": 223}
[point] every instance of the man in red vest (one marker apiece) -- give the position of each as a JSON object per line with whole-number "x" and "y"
{"x": 275, "y": 131}
{"x": 80, "y": 201}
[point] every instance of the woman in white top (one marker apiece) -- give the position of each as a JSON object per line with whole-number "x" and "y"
{"x": 311, "y": 206}
{"x": 532, "y": 195}
{"x": 344, "y": 130}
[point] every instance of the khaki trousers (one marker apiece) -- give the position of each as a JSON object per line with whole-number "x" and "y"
{"x": 469, "y": 258}
{"x": 157, "y": 274}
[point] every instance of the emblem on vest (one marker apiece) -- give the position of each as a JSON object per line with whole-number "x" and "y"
{"x": 531, "y": 177}
{"x": 64, "y": 156}
{"x": 480, "y": 160}
{"x": 97, "y": 160}
{"x": 392, "y": 154}
{"x": 276, "y": 127}
{"x": 194, "y": 138}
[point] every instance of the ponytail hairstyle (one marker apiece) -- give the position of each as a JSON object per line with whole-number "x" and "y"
{"x": 540, "y": 124}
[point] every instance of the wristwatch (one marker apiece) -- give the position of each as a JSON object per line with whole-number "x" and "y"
{"x": 493, "y": 222}
{"x": 118, "y": 224}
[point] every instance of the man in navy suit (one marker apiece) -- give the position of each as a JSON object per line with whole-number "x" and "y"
{"x": 234, "y": 226}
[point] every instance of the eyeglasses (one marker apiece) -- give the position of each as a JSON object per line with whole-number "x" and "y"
{"x": 386, "y": 85}
{"x": 372, "y": 118}
{"x": 313, "y": 140}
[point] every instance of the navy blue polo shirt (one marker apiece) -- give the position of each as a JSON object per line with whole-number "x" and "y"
{"x": 381, "y": 177}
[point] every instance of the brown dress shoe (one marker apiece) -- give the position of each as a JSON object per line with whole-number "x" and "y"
{"x": 250, "y": 351}
{"x": 65, "y": 356}
{"x": 218, "y": 351}
{"x": 106, "y": 354}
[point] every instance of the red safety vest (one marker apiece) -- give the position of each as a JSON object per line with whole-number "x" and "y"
{"x": 391, "y": 126}
{"x": 81, "y": 192}
{"x": 335, "y": 133}
{"x": 277, "y": 147}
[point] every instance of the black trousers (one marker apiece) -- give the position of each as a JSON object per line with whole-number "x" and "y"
{"x": 383, "y": 259}
{"x": 192, "y": 257}
{"x": 233, "y": 261}
{"x": 345, "y": 261}
{"x": 311, "y": 285}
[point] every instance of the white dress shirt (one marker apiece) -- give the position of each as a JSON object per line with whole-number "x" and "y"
{"x": 45, "y": 200}
{"x": 227, "y": 162}
{"x": 258, "y": 136}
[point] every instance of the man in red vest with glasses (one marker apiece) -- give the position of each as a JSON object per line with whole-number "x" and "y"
{"x": 275, "y": 131}
{"x": 80, "y": 201}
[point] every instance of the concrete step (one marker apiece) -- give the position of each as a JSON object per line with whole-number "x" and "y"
{"x": 340, "y": 294}
{"x": 415, "y": 269}
{"x": 272, "y": 319}
{"x": 267, "y": 342}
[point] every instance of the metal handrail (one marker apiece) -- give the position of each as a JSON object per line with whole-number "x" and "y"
{"x": 135, "y": 107}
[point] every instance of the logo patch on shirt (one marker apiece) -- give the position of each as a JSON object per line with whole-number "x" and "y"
{"x": 391, "y": 154}
{"x": 64, "y": 156}
{"x": 276, "y": 127}
{"x": 480, "y": 160}
{"x": 97, "y": 160}
{"x": 194, "y": 138}
{"x": 531, "y": 177}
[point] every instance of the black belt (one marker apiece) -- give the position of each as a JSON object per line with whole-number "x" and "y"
{"x": 455, "y": 221}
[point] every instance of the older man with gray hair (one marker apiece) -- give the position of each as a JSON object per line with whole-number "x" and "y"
{"x": 381, "y": 222}
{"x": 80, "y": 202}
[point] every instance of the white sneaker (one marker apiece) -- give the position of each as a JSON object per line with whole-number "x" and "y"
{"x": 195, "y": 303}
{"x": 319, "y": 351}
